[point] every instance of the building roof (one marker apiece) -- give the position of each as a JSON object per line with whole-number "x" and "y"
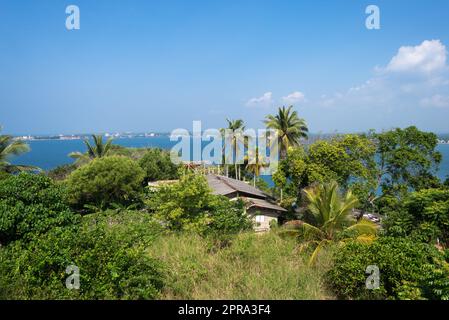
{"x": 264, "y": 204}
{"x": 221, "y": 185}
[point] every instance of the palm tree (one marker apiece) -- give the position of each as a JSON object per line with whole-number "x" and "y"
{"x": 289, "y": 127}
{"x": 99, "y": 149}
{"x": 330, "y": 218}
{"x": 235, "y": 126}
{"x": 12, "y": 147}
{"x": 256, "y": 165}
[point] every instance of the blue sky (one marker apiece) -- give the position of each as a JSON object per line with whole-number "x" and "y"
{"x": 159, "y": 65}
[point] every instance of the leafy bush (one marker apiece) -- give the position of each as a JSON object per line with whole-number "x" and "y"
{"x": 158, "y": 166}
{"x": 408, "y": 270}
{"x": 108, "y": 248}
{"x": 227, "y": 217}
{"x": 424, "y": 215}
{"x": 4, "y": 175}
{"x": 31, "y": 204}
{"x": 105, "y": 181}
{"x": 347, "y": 159}
{"x": 408, "y": 159}
{"x": 189, "y": 205}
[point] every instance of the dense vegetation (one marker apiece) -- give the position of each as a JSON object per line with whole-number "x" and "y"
{"x": 408, "y": 270}
{"x": 108, "y": 248}
{"x": 105, "y": 181}
{"x": 133, "y": 240}
{"x": 31, "y": 205}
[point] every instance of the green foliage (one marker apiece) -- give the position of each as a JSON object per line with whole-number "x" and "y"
{"x": 31, "y": 204}
{"x": 3, "y": 175}
{"x": 329, "y": 219}
{"x": 105, "y": 181}
{"x": 61, "y": 172}
{"x": 236, "y": 127}
{"x": 408, "y": 160}
{"x": 108, "y": 248}
{"x": 157, "y": 165}
{"x": 262, "y": 185}
{"x": 408, "y": 270}
{"x": 290, "y": 128}
{"x": 189, "y": 205}
{"x": 98, "y": 149}
{"x": 330, "y": 212}
{"x": 227, "y": 217}
{"x": 423, "y": 215}
{"x": 12, "y": 147}
{"x": 348, "y": 159}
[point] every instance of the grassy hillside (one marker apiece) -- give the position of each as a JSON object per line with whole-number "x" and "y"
{"x": 254, "y": 266}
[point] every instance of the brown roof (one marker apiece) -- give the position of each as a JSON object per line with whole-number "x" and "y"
{"x": 221, "y": 185}
{"x": 264, "y": 204}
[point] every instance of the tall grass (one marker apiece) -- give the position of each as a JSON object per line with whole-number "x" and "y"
{"x": 254, "y": 266}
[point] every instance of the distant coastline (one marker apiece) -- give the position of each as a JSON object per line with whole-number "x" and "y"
{"x": 442, "y": 139}
{"x": 129, "y": 135}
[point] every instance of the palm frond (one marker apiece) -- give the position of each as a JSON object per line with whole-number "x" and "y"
{"x": 364, "y": 227}
{"x": 317, "y": 250}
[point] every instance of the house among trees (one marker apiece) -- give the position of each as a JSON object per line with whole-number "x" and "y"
{"x": 258, "y": 204}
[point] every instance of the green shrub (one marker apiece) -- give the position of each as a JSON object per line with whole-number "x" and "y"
{"x": 408, "y": 270}
{"x": 104, "y": 182}
{"x": 31, "y": 204}
{"x": 108, "y": 248}
{"x": 227, "y": 217}
{"x": 423, "y": 215}
{"x": 4, "y": 175}
{"x": 158, "y": 166}
{"x": 188, "y": 205}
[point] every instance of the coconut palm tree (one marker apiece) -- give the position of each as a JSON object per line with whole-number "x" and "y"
{"x": 235, "y": 126}
{"x": 98, "y": 149}
{"x": 12, "y": 147}
{"x": 330, "y": 218}
{"x": 256, "y": 165}
{"x": 289, "y": 127}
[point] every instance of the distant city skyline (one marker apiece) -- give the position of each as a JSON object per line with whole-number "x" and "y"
{"x": 156, "y": 66}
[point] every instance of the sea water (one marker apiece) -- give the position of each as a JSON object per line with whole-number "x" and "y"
{"x": 48, "y": 154}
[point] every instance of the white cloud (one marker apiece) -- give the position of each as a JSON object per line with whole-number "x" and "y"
{"x": 437, "y": 100}
{"x": 265, "y": 100}
{"x": 429, "y": 56}
{"x": 294, "y": 97}
{"x": 411, "y": 88}
{"x": 416, "y": 76}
